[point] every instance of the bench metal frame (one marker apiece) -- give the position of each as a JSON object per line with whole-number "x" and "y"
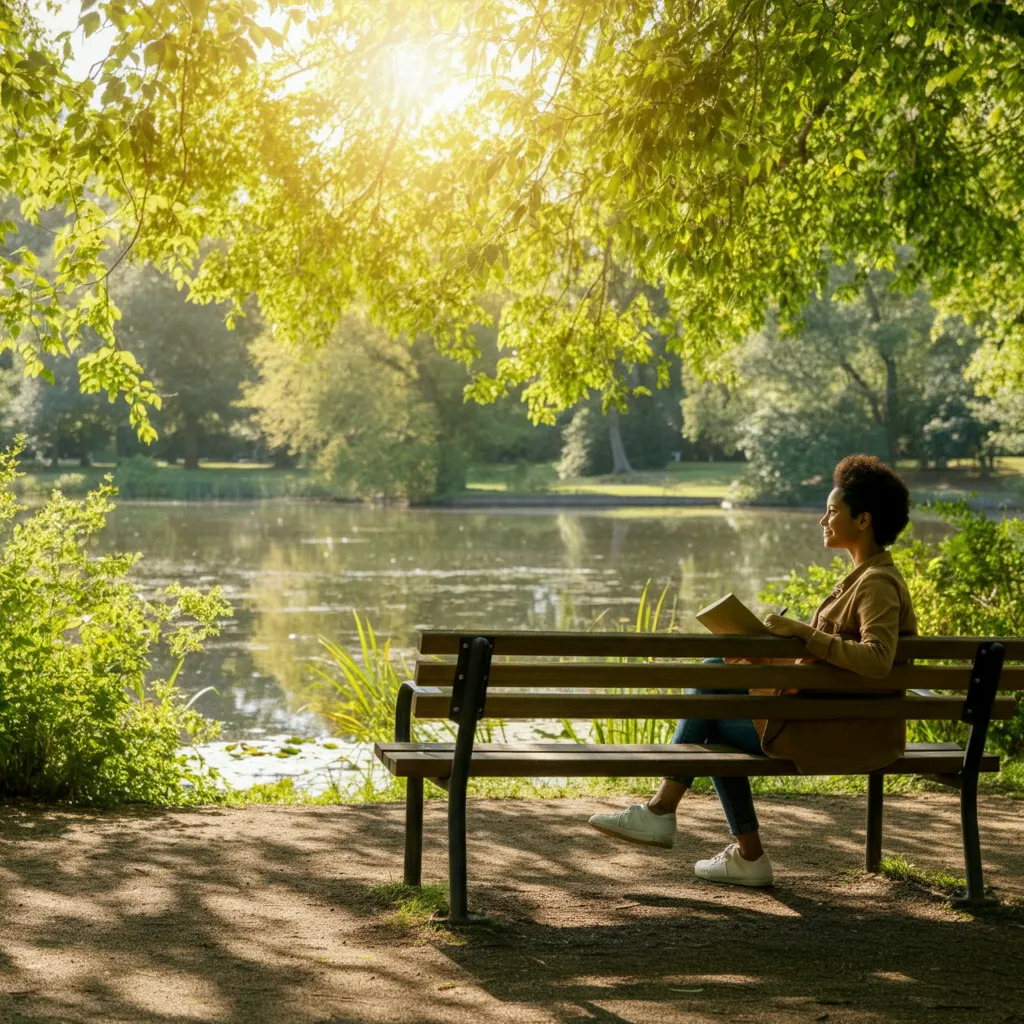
{"x": 468, "y": 700}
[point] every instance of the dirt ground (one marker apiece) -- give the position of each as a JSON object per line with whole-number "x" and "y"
{"x": 267, "y": 914}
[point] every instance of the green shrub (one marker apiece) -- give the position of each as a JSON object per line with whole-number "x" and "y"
{"x": 79, "y": 720}
{"x": 792, "y": 448}
{"x": 70, "y": 483}
{"x": 141, "y": 477}
{"x": 527, "y": 478}
{"x": 970, "y": 583}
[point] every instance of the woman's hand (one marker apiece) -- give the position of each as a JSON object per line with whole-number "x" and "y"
{"x": 781, "y": 626}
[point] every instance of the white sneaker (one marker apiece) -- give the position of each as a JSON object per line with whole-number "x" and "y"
{"x": 729, "y": 867}
{"x": 638, "y": 824}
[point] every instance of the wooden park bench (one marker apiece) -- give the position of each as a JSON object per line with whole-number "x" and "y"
{"x": 465, "y": 677}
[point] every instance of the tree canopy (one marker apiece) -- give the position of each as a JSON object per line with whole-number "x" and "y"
{"x": 407, "y": 157}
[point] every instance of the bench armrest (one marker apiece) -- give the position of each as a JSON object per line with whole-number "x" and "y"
{"x": 403, "y": 708}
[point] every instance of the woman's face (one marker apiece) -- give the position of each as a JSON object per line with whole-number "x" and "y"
{"x": 840, "y": 529}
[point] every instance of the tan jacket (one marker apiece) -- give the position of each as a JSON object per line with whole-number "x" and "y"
{"x": 856, "y": 627}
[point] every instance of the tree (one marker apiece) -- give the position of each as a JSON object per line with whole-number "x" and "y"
{"x": 729, "y": 150}
{"x": 866, "y": 372}
{"x": 643, "y": 437}
{"x": 58, "y": 421}
{"x": 354, "y": 410}
{"x": 196, "y": 363}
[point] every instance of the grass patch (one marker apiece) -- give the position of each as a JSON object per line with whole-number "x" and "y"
{"x": 678, "y": 479}
{"x": 712, "y": 480}
{"x": 162, "y": 482}
{"x": 375, "y": 790}
{"x": 898, "y": 869}
{"x": 412, "y": 906}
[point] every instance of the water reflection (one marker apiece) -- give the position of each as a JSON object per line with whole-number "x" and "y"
{"x": 295, "y": 571}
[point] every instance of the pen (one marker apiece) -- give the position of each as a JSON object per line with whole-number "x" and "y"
{"x": 784, "y": 610}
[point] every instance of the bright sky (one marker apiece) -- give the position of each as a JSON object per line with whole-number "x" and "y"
{"x": 87, "y": 51}
{"x": 417, "y": 80}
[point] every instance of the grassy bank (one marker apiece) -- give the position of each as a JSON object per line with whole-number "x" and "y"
{"x": 1008, "y": 782}
{"x": 213, "y": 481}
{"x": 712, "y": 480}
{"x": 228, "y": 481}
{"x": 677, "y": 480}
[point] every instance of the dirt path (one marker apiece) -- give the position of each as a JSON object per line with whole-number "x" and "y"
{"x": 267, "y": 915}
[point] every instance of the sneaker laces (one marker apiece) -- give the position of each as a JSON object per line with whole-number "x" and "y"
{"x": 726, "y": 854}
{"x": 625, "y": 815}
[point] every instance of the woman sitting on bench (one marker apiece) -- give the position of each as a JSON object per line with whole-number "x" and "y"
{"x": 856, "y": 627}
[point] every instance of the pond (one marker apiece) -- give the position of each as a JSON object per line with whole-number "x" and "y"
{"x": 297, "y": 571}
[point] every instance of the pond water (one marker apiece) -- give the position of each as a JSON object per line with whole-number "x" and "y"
{"x": 298, "y": 571}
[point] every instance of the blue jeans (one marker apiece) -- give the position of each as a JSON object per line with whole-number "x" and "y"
{"x": 737, "y": 799}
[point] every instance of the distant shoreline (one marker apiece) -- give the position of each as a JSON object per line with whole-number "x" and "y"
{"x": 499, "y": 500}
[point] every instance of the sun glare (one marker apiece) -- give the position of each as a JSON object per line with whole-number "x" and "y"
{"x": 411, "y": 71}
{"x": 422, "y": 78}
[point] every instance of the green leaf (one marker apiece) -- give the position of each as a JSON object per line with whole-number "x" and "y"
{"x": 154, "y": 52}
{"x": 90, "y": 23}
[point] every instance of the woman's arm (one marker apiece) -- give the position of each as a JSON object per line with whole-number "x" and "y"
{"x": 878, "y": 611}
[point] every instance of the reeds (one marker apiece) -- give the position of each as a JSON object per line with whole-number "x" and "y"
{"x": 367, "y": 687}
{"x": 633, "y": 730}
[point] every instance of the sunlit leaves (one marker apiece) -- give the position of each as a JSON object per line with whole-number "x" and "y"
{"x": 726, "y": 151}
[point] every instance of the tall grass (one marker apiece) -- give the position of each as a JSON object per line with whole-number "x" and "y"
{"x": 367, "y": 687}
{"x": 634, "y": 730}
{"x": 366, "y": 683}
{"x": 367, "y": 690}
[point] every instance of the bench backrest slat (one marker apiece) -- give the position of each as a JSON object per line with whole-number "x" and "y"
{"x": 674, "y": 675}
{"x": 683, "y": 645}
{"x": 705, "y": 706}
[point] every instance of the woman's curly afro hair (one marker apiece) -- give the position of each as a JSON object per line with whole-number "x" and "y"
{"x": 869, "y": 485}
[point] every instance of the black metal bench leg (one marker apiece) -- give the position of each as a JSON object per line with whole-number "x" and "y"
{"x": 469, "y": 712}
{"x": 413, "y": 831}
{"x": 988, "y": 665}
{"x": 413, "y": 792}
{"x": 975, "y": 895}
{"x": 873, "y": 845}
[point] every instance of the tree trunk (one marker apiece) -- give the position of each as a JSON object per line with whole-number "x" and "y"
{"x": 190, "y": 436}
{"x": 620, "y": 460}
{"x": 282, "y": 460}
{"x": 892, "y": 409}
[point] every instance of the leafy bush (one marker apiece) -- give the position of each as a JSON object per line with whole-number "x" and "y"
{"x": 70, "y": 483}
{"x": 141, "y": 477}
{"x": 970, "y": 583}
{"x": 792, "y": 448}
{"x": 527, "y": 478}
{"x": 79, "y": 721}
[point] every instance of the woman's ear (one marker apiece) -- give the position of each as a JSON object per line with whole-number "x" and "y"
{"x": 864, "y": 521}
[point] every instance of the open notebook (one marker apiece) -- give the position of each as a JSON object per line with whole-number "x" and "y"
{"x": 730, "y": 615}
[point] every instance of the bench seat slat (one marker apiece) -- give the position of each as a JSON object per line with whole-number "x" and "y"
{"x": 666, "y": 675}
{"x": 417, "y": 760}
{"x": 717, "y": 706}
{"x": 683, "y": 645}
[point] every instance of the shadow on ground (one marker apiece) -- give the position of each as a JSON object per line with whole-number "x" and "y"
{"x": 269, "y": 914}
